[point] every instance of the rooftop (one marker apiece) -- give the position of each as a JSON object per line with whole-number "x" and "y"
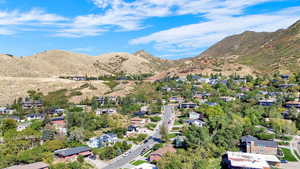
{"x": 71, "y": 151}
{"x": 249, "y": 160}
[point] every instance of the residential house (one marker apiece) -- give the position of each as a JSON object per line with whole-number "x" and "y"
{"x": 158, "y": 154}
{"x": 145, "y": 166}
{"x": 267, "y": 102}
{"x": 166, "y": 89}
{"x": 110, "y": 99}
{"x": 132, "y": 128}
{"x": 181, "y": 79}
{"x": 144, "y": 109}
{"x": 194, "y": 115}
{"x": 59, "y": 124}
{"x": 29, "y": 103}
{"x": 108, "y": 111}
{"x": 244, "y": 89}
{"x": 195, "y": 77}
{"x": 176, "y": 100}
{"x": 227, "y": 98}
{"x": 251, "y": 144}
{"x": 136, "y": 121}
{"x": 23, "y": 126}
{"x": 4, "y": 110}
{"x": 189, "y": 105}
{"x": 101, "y": 100}
{"x": 79, "y": 78}
{"x": 201, "y": 95}
{"x": 103, "y": 140}
{"x": 72, "y": 153}
{"x": 241, "y": 80}
{"x": 59, "y": 110}
{"x": 203, "y": 80}
{"x": 283, "y": 86}
{"x": 179, "y": 141}
{"x": 285, "y": 77}
{"x": 37, "y": 165}
{"x": 240, "y": 160}
{"x": 139, "y": 113}
{"x": 212, "y": 103}
{"x": 35, "y": 116}
{"x": 291, "y": 104}
{"x": 196, "y": 122}
{"x": 240, "y": 95}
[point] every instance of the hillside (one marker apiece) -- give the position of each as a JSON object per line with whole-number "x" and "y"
{"x": 263, "y": 52}
{"x": 54, "y": 63}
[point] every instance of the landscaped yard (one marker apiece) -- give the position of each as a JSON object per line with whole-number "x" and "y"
{"x": 137, "y": 162}
{"x": 288, "y": 155}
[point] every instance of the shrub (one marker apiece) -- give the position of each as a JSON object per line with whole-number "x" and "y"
{"x": 155, "y": 118}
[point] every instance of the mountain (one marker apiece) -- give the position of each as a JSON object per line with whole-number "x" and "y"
{"x": 54, "y": 63}
{"x": 263, "y": 52}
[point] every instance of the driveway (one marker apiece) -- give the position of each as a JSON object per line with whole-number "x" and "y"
{"x": 96, "y": 163}
{"x": 290, "y": 165}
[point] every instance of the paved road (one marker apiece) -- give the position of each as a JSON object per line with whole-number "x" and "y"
{"x": 294, "y": 145}
{"x": 167, "y": 119}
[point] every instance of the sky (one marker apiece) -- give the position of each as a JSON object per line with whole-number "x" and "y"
{"x": 169, "y": 29}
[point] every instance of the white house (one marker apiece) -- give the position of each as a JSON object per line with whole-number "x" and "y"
{"x": 106, "y": 111}
{"x": 35, "y": 116}
{"x": 23, "y": 126}
{"x": 193, "y": 115}
{"x": 249, "y": 160}
{"x": 103, "y": 140}
{"x": 146, "y": 166}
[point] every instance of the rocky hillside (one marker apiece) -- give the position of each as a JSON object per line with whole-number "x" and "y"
{"x": 263, "y": 52}
{"x": 55, "y": 63}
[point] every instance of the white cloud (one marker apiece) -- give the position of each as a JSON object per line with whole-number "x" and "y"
{"x": 35, "y": 15}
{"x": 12, "y": 21}
{"x": 121, "y": 15}
{"x": 201, "y": 35}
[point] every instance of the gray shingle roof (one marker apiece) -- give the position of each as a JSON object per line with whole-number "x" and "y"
{"x": 72, "y": 151}
{"x": 248, "y": 138}
{"x": 265, "y": 143}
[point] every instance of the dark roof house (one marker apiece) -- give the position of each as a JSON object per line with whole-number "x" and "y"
{"x": 71, "y": 151}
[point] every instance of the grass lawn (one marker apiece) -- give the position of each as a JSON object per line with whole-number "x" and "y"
{"x": 295, "y": 152}
{"x": 177, "y": 123}
{"x": 288, "y": 155}
{"x": 175, "y": 128}
{"x": 172, "y": 135}
{"x": 147, "y": 153}
{"x": 151, "y": 126}
{"x": 137, "y": 162}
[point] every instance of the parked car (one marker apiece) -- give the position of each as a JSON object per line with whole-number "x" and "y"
{"x": 283, "y": 161}
{"x": 92, "y": 157}
{"x": 125, "y": 154}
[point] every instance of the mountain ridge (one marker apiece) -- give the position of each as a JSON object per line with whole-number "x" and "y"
{"x": 54, "y": 63}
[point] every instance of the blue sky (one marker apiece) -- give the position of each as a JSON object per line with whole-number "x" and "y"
{"x": 165, "y": 28}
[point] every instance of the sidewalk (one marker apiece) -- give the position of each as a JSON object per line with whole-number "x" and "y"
{"x": 294, "y": 146}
